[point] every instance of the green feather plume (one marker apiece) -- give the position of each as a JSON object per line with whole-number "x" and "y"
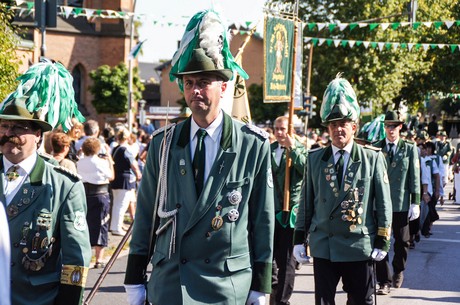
{"x": 193, "y": 38}
{"x": 46, "y": 89}
{"x": 339, "y": 101}
{"x": 373, "y": 131}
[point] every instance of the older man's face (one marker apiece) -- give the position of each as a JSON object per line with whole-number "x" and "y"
{"x": 18, "y": 139}
{"x": 342, "y": 132}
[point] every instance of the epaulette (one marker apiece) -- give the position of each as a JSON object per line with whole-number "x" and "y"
{"x": 315, "y": 149}
{"x": 67, "y": 172}
{"x": 372, "y": 147}
{"x": 257, "y": 130}
{"x": 48, "y": 158}
{"x": 162, "y": 129}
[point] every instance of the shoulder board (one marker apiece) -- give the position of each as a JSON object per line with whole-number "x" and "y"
{"x": 372, "y": 147}
{"x": 408, "y": 141}
{"x": 48, "y": 158}
{"x": 67, "y": 172}
{"x": 162, "y": 129}
{"x": 257, "y": 130}
{"x": 315, "y": 149}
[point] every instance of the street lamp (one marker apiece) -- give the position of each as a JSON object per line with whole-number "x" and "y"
{"x": 142, "y": 112}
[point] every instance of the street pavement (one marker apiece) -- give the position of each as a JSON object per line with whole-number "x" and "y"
{"x": 432, "y": 276}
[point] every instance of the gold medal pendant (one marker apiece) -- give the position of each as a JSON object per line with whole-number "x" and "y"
{"x": 217, "y": 223}
{"x": 352, "y": 227}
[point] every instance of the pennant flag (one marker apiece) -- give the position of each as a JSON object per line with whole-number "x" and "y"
{"x": 240, "y": 109}
{"x": 135, "y": 51}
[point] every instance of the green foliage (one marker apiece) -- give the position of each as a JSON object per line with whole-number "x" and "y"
{"x": 260, "y": 111}
{"x": 9, "y": 62}
{"x": 384, "y": 77}
{"x": 110, "y": 88}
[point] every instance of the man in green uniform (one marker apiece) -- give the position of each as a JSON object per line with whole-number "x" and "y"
{"x": 45, "y": 204}
{"x": 284, "y": 261}
{"x": 206, "y": 193}
{"x": 403, "y": 169}
{"x": 346, "y": 211}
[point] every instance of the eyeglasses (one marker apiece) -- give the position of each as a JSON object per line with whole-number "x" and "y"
{"x": 16, "y": 129}
{"x": 391, "y": 126}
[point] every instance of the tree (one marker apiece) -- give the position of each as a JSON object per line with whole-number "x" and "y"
{"x": 9, "y": 62}
{"x": 110, "y": 88}
{"x": 260, "y": 111}
{"x": 389, "y": 76}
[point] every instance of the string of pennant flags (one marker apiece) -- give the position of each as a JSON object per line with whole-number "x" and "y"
{"x": 26, "y": 8}
{"x": 68, "y": 11}
{"x": 380, "y": 45}
{"x": 319, "y": 26}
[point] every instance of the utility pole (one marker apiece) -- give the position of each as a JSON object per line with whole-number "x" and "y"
{"x": 45, "y": 16}
{"x": 130, "y": 72}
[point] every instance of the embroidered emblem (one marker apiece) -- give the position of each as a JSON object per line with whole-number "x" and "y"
{"x": 80, "y": 221}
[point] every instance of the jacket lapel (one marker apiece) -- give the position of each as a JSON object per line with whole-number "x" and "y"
{"x": 29, "y": 191}
{"x": 218, "y": 174}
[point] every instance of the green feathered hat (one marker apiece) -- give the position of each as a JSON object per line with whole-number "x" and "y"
{"x": 204, "y": 47}
{"x": 373, "y": 131}
{"x": 339, "y": 102}
{"x": 44, "y": 95}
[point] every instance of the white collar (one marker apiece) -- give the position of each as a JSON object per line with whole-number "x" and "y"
{"x": 212, "y": 130}
{"x": 27, "y": 164}
{"x": 347, "y": 148}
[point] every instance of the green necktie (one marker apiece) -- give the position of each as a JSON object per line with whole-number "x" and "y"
{"x": 339, "y": 167}
{"x": 390, "y": 151}
{"x": 199, "y": 161}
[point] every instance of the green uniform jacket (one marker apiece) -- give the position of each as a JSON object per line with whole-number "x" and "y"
{"x": 403, "y": 173}
{"x": 335, "y": 235}
{"x": 299, "y": 157}
{"x": 208, "y": 266}
{"x": 48, "y": 216}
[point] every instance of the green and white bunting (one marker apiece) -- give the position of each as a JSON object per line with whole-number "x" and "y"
{"x": 379, "y": 45}
{"x": 319, "y": 26}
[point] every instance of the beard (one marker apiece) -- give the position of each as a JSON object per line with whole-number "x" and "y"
{"x": 13, "y": 140}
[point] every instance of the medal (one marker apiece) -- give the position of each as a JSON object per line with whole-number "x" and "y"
{"x": 217, "y": 223}
{"x": 234, "y": 197}
{"x": 344, "y": 204}
{"x": 346, "y": 187}
{"x": 12, "y": 210}
{"x": 233, "y": 215}
{"x": 359, "y": 220}
{"x": 345, "y": 217}
{"x": 182, "y": 171}
{"x": 393, "y": 164}
{"x": 328, "y": 177}
{"x": 352, "y": 227}
{"x": 360, "y": 210}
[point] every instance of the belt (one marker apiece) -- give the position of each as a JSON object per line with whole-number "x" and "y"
{"x": 96, "y": 189}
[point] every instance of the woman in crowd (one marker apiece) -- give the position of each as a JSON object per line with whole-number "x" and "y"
{"x": 60, "y": 144}
{"x": 96, "y": 173}
{"x": 124, "y": 184}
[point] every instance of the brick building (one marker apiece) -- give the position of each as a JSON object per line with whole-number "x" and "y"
{"x": 83, "y": 45}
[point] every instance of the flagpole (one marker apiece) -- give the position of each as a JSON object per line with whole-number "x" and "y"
{"x": 130, "y": 72}
{"x": 287, "y": 176}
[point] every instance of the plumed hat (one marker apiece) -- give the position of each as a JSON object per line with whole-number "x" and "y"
{"x": 339, "y": 102}
{"x": 373, "y": 131}
{"x": 204, "y": 47}
{"x": 45, "y": 96}
{"x": 393, "y": 117}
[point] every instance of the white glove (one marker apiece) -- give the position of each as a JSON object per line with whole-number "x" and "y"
{"x": 136, "y": 294}
{"x": 300, "y": 254}
{"x": 378, "y": 254}
{"x": 256, "y": 298}
{"x": 414, "y": 211}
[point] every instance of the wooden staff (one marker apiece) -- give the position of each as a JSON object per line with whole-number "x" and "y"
{"x": 287, "y": 176}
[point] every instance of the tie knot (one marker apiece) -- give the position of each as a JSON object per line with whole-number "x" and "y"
{"x": 341, "y": 152}
{"x": 391, "y": 145}
{"x": 12, "y": 173}
{"x": 201, "y": 134}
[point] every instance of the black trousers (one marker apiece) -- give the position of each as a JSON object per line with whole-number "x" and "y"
{"x": 357, "y": 279}
{"x": 283, "y": 265}
{"x": 400, "y": 228}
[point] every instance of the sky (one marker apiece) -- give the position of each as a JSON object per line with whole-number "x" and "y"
{"x": 163, "y": 22}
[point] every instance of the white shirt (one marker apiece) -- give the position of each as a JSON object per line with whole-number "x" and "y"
{"x": 94, "y": 170}
{"x": 279, "y": 154}
{"x": 394, "y": 146}
{"x": 25, "y": 168}
{"x": 211, "y": 141}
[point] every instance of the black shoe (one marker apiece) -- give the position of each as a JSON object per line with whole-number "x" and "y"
{"x": 398, "y": 279}
{"x": 384, "y": 289}
{"x": 411, "y": 245}
{"x": 417, "y": 238}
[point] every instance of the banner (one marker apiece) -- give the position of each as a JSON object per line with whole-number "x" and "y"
{"x": 240, "y": 109}
{"x": 278, "y": 49}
